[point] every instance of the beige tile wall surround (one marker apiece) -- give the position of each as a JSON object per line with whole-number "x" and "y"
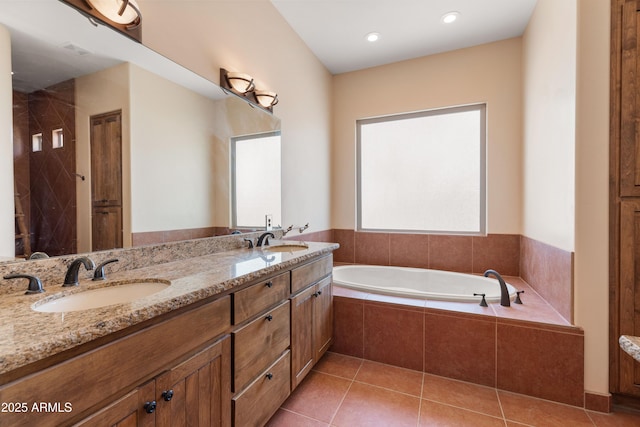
{"x": 528, "y": 349}
{"x": 547, "y": 269}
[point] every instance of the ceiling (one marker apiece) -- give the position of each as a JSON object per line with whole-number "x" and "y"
{"x": 335, "y": 30}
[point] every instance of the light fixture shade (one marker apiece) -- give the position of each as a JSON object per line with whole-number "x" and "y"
{"x": 240, "y": 82}
{"x": 119, "y": 11}
{"x": 265, "y": 98}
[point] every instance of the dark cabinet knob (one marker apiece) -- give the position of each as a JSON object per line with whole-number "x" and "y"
{"x": 269, "y": 318}
{"x": 269, "y": 284}
{"x": 167, "y": 395}
{"x": 269, "y": 376}
{"x": 319, "y": 292}
{"x": 150, "y": 407}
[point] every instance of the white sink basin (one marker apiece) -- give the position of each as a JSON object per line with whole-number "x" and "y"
{"x": 102, "y": 297}
{"x": 285, "y": 248}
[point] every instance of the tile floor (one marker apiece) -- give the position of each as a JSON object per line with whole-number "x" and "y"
{"x": 350, "y": 392}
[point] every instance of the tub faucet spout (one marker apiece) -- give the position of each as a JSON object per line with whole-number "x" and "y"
{"x": 504, "y": 292}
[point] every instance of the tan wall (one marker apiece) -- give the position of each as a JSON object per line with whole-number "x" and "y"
{"x": 7, "y": 218}
{"x": 489, "y": 73}
{"x": 98, "y": 93}
{"x": 549, "y": 67}
{"x": 252, "y": 37}
{"x": 592, "y": 195}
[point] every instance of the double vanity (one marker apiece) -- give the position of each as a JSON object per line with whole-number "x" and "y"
{"x": 212, "y": 340}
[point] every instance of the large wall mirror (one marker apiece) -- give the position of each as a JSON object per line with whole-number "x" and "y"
{"x": 114, "y": 144}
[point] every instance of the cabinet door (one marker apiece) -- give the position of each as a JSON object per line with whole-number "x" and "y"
{"x": 128, "y": 411}
{"x": 629, "y": 292}
{"x": 302, "y": 348}
{"x": 197, "y": 392}
{"x": 323, "y": 318}
{"x": 630, "y": 101}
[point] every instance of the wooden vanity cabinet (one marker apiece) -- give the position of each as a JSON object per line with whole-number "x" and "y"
{"x": 311, "y": 316}
{"x": 261, "y": 340}
{"x": 195, "y": 393}
{"x": 106, "y": 385}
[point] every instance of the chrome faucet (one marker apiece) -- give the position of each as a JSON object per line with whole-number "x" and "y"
{"x": 263, "y": 240}
{"x": 71, "y": 278}
{"x": 504, "y": 292}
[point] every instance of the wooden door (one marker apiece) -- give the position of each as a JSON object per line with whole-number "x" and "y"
{"x": 629, "y": 369}
{"x": 198, "y": 391}
{"x": 106, "y": 181}
{"x": 624, "y": 196}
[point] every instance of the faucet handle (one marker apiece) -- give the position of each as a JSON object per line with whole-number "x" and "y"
{"x": 98, "y": 274}
{"x": 35, "y": 285}
{"x": 250, "y": 243}
{"x": 483, "y": 302}
{"x": 518, "y": 300}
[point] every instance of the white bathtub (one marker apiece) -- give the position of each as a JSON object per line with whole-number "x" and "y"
{"x": 419, "y": 283}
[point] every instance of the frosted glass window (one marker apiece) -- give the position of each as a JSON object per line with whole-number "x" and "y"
{"x": 36, "y": 142}
{"x": 423, "y": 171}
{"x": 57, "y": 138}
{"x": 255, "y": 180}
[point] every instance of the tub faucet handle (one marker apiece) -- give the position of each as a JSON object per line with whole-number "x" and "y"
{"x": 518, "y": 300}
{"x": 483, "y": 302}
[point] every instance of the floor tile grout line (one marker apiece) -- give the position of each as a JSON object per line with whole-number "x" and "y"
{"x": 465, "y": 408}
{"x": 504, "y": 418}
{"x": 301, "y": 415}
{"x": 591, "y": 418}
{"x": 333, "y": 417}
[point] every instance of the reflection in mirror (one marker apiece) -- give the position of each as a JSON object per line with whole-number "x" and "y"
{"x": 135, "y": 148}
{"x": 255, "y": 180}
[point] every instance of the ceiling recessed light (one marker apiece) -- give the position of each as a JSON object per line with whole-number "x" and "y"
{"x": 450, "y": 17}
{"x": 372, "y": 37}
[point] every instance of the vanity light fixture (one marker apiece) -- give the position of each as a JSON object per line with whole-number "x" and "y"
{"x": 240, "y": 82}
{"x": 124, "y": 12}
{"x": 243, "y": 85}
{"x": 265, "y": 98}
{"x": 121, "y": 15}
{"x": 450, "y": 17}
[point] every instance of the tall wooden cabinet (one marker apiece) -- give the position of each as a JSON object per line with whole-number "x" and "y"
{"x": 625, "y": 196}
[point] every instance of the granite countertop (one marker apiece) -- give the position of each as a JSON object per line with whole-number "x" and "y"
{"x": 27, "y": 336}
{"x": 631, "y": 345}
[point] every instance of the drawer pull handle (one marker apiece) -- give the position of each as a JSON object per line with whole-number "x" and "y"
{"x": 269, "y": 376}
{"x": 317, "y": 294}
{"x": 150, "y": 407}
{"x": 167, "y": 395}
{"x": 269, "y": 318}
{"x": 269, "y": 284}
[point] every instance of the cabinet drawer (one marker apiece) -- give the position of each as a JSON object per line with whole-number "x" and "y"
{"x": 256, "y": 298}
{"x": 262, "y": 398}
{"x": 308, "y": 274}
{"x": 120, "y": 365}
{"x": 257, "y": 344}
